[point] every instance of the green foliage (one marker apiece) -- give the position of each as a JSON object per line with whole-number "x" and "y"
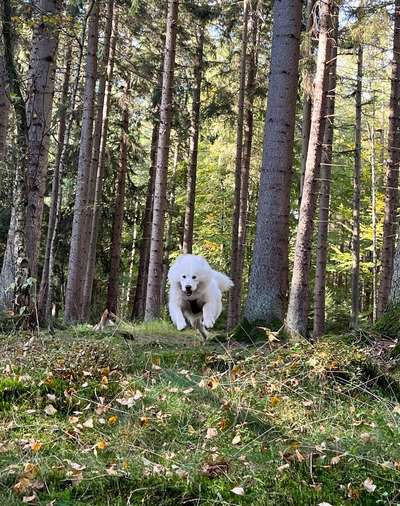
{"x": 389, "y": 323}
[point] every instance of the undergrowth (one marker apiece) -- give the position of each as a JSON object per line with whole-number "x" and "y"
{"x": 156, "y": 418}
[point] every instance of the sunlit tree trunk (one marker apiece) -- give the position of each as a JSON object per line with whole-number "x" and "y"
{"x": 238, "y": 260}
{"x": 297, "y": 314}
{"x": 79, "y": 246}
{"x": 153, "y": 306}
{"x": 268, "y": 285}
{"x": 325, "y": 186}
{"x": 95, "y": 191}
{"x": 41, "y": 82}
{"x": 116, "y": 234}
{"x": 392, "y": 173}
{"x": 194, "y": 140}
{"x": 355, "y": 248}
{"x": 55, "y": 190}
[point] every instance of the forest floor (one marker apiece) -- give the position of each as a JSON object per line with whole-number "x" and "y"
{"x": 153, "y": 417}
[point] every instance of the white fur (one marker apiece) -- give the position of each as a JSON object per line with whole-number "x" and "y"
{"x": 192, "y": 279}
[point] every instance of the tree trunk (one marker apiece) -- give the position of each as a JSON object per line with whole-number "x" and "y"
{"x": 153, "y": 307}
{"x": 4, "y": 107}
{"x": 141, "y": 282}
{"x": 238, "y": 249}
{"x": 194, "y": 140}
{"x": 22, "y": 285}
{"x": 325, "y": 187}
{"x": 392, "y": 174}
{"x": 307, "y": 91}
{"x": 266, "y": 300}
{"x": 43, "y": 309}
{"x": 113, "y": 279}
{"x": 99, "y": 143}
{"x": 297, "y": 314}
{"x": 372, "y": 137}
{"x": 79, "y": 246}
{"x": 41, "y": 82}
{"x": 355, "y": 249}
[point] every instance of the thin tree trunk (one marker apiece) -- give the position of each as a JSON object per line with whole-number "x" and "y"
{"x": 392, "y": 173}
{"x": 141, "y": 282}
{"x": 297, "y": 314}
{"x": 95, "y": 192}
{"x": 355, "y": 249}
{"x": 238, "y": 261}
{"x": 78, "y": 250}
{"x": 22, "y": 286}
{"x": 41, "y": 82}
{"x": 4, "y": 107}
{"x": 194, "y": 140}
{"x": 55, "y": 190}
{"x": 153, "y": 307}
{"x": 325, "y": 187}
{"x": 268, "y": 285}
{"x": 307, "y": 91}
{"x": 113, "y": 279}
{"x": 129, "y": 292}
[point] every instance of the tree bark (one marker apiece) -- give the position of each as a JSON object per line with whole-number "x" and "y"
{"x": 355, "y": 247}
{"x": 78, "y": 250}
{"x": 240, "y": 242}
{"x": 372, "y": 136}
{"x": 153, "y": 306}
{"x": 266, "y": 300}
{"x": 43, "y": 305}
{"x": 4, "y": 107}
{"x": 113, "y": 279}
{"x": 187, "y": 243}
{"x": 297, "y": 314}
{"x": 325, "y": 187}
{"x": 392, "y": 173}
{"x": 99, "y": 143}
{"x": 307, "y": 91}
{"x": 41, "y": 82}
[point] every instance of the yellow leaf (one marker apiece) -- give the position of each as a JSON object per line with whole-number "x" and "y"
{"x": 104, "y": 380}
{"x": 275, "y": 400}
{"x": 36, "y": 446}
{"x": 144, "y": 421}
{"x": 113, "y": 419}
{"x": 101, "y": 445}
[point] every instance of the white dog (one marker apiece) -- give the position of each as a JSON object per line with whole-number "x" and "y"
{"x": 195, "y": 293}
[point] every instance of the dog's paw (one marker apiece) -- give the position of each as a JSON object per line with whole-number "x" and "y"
{"x": 181, "y": 324}
{"x": 208, "y": 322}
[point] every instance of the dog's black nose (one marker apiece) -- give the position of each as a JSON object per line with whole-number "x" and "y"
{"x": 188, "y": 288}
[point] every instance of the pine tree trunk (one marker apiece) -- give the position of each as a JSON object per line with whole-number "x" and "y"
{"x": 79, "y": 246}
{"x": 141, "y": 282}
{"x": 153, "y": 306}
{"x": 297, "y": 314}
{"x": 325, "y": 188}
{"x": 307, "y": 91}
{"x": 187, "y": 243}
{"x": 239, "y": 249}
{"x": 95, "y": 192}
{"x": 113, "y": 279}
{"x": 392, "y": 174}
{"x": 268, "y": 285}
{"x": 55, "y": 192}
{"x": 4, "y": 107}
{"x": 22, "y": 286}
{"x": 41, "y": 82}
{"x": 372, "y": 135}
{"x": 355, "y": 247}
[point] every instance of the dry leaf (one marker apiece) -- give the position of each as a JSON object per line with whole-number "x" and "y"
{"x": 89, "y": 423}
{"x": 238, "y": 490}
{"x": 396, "y": 409}
{"x": 112, "y": 470}
{"x": 275, "y": 400}
{"x": 36, "y": 446}
{"x": 215, "y": 469}
{"x": 211, "y": 432}
{"x": 29, "y": 498}
{"x": 50, "y": 410}
{"x": 101, "y": 445}
{"x": 236, "y": 440}
{"x": 113, "y": 419}
{"x": 369, "y": 485}
{"x": 144, "y": 421}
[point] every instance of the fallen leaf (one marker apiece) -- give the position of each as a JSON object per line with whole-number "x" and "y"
{"x": 113, "y": 419}
{"x": 36, "y": 446}
{"x": 236, "y": 440}
{"x": 215, "y": 469}
{"x": 238, "y": 490}
{"x": 29, "y": 498}
{"x": 211, "y": 432}
{"x": 144, "y": 421}
{"x": 275, "y": 400}
{"x": 369, "y": 485}
{"x": 396, "y": 409}
{"x": 101, "y": 445}
{"x": 324, "y": 504}
{"x": 50, "y": 410}
{"x": 89, "y": 423}
{"x": 112, "y": 470}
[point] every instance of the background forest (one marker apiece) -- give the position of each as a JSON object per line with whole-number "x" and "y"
{"x": 262, "y": 134}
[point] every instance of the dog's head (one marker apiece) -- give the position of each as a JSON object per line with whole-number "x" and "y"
{"x": 190, "y": 272}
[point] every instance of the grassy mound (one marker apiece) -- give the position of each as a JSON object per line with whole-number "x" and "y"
{"x": 92, "y": 418}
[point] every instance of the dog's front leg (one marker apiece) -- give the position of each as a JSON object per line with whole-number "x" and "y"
{"x": 211, "y": 310}
{"x": 176, "y": 315}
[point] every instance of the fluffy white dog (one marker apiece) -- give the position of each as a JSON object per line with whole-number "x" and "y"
{"x": 195, "y": 293}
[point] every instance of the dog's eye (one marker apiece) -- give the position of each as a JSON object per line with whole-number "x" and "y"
{"x": 194, "y": 277}
{"x": 184, "y": 277}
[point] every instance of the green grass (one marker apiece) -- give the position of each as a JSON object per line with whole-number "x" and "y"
{"x": 158, "y": 418}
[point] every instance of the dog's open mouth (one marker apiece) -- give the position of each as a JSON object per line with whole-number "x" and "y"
{"x": 188, "y": 291}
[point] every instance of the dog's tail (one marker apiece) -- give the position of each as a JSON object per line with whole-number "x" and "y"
{"x": 224, "y": 283}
